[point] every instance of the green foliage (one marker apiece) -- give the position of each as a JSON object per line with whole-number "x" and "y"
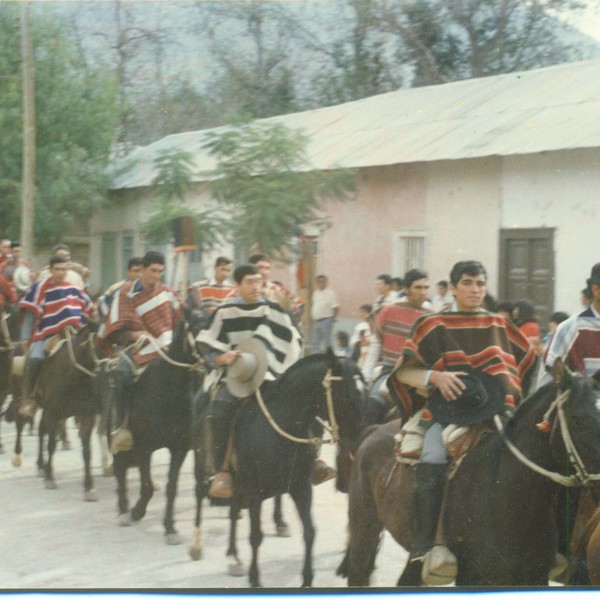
{"x": 263, "y": 174}
{"x": 174, "y": 178}
{"x": 74, "y": 122}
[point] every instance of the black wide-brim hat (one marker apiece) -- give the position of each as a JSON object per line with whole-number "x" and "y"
{"x": 482, "y": 398}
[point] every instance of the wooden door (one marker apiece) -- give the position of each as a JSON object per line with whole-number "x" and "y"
{"x": 527, "y": 269}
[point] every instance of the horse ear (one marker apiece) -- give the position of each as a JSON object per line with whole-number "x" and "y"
{"x": 561, "y": 374}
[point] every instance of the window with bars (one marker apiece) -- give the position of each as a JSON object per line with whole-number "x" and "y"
{"x": 408, "y": 251}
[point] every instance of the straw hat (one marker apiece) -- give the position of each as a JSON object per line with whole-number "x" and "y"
{"x": 248, "y": 370}
{"x": 22, "y": 278}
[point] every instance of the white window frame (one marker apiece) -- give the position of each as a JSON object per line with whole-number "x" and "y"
{"x": 400, "y": 262}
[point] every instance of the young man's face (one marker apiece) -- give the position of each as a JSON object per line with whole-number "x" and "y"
{"x": 249, "y": 288}
{"x": 321, "y": 283}
{"x": 151, "y": 275}
{"x": 416, "y": 294}
{"x": 134, "y": 272}
{"x": 469, "y": 292}
{"x": 222, "y": 272}
{"x": 264, "y": 268}
{"x": 16, "y": 252}
{"x": 382, "y": 288}
{"x": 58, "y": 272}
{"x": 596, "y": 296}
{"x": 5, "y": 248}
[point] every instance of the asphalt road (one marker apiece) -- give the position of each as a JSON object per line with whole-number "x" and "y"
{"x": 52, "y": 539}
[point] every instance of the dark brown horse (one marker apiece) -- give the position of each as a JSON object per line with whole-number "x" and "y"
{"x": 160, "y": 416}
{"x": 66, "y": 388}
{"x": 498, "y": 516}
{"x": 268, "y": 463}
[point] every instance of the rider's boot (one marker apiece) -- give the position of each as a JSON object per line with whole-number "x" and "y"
{"x": 439, "y": 564}
{"x": 121, "y": 439}
{"x": 33, "y": 368}
{"x": 221, "y": 419}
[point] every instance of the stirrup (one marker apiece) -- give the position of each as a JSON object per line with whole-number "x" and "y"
{"x": 440, "y": 567}
{"x": 122, "y": 441}
{"x": 221, "y": 486}
{"x": 28, "y": 408}
{"x": 559, "y": 568}
{"x": 322, "y": 472}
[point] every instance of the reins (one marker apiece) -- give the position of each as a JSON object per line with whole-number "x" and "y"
{"x": 581, "y": 477}
{"x": 316, "y": 441}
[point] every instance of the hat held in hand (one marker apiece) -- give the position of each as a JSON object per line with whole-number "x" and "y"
{"x": 248, "y": 370}
{"x": 482, "y": 398}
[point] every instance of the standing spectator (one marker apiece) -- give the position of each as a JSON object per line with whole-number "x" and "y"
{"x": 77, "y": 273}
{"x": 523, "y": 316}
{"x": 211, "y": 293}
{"x": 386, "y": 295}
{"x": 359, "y": 342}
{"x": 325, "y": 308}
{"x": 342, "y": 344}
{"x": 556, "y": 318}
{"x": 443, "y": 299}
{"x": 4, "y": 251}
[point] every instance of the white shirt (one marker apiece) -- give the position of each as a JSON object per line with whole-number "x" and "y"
{"x": 323, "y": 304}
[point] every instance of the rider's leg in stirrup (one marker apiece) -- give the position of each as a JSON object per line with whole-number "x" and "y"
{"x": 122, "y": 378}
{"x": 34, "y": 362}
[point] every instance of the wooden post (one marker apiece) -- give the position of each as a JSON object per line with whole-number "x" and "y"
{"x": 29, "y": 133}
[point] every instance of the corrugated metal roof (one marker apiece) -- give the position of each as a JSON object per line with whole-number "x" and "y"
{"x": 555, "y": 108}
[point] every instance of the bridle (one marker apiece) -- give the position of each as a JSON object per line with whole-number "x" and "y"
{"x": 333, "y": 425}
{"x": 581, "y": 477}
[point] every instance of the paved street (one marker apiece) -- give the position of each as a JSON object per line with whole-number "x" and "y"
{"x": 53, "y": 539}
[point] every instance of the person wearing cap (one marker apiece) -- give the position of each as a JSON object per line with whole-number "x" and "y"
{"x": 445, "y": 359}
{"x": 249, "y": 343}
{"x": 576, "y": 342}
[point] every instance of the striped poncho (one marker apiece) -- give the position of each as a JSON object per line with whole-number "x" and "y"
{"x": 134, "y": 308}
{"x": 56, "y": 306}
{"x": 455, "y": 340}
{"x": 265, "y": 320}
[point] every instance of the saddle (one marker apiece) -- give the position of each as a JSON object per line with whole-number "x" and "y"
{"x": 458, "y": 440}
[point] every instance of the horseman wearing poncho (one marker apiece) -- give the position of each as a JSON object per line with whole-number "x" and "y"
{"x": 142, "y": 318}
{"x": 248, "y": 317}
{"x": 50, "y": 307}
{"x": 469, "y": 365}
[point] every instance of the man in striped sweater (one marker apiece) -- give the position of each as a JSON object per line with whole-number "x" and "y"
{"x": 211, "y": 293}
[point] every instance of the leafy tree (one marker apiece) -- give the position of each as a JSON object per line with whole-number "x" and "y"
{"x": 74, "y": 119}
{"x": 173, "y": 181}
{"x": 264, "y": 176}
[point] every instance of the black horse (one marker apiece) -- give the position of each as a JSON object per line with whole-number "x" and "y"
{"x": 66, "y": 388}
{"x": 160, "y": 416}
{"x": 268, "y": 463}
{"x": 499, "y": 512}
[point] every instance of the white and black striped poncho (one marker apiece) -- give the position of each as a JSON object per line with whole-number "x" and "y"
{"x": 267, "y": 321}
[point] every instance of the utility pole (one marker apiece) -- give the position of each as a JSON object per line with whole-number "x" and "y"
{"x": 28, "y": 178}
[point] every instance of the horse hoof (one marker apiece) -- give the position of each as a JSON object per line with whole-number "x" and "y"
{"x": 283, "y": 531}
{"x": 50, "y": 484}
{"x": 17, "y": 460}
{"x": 90, "y": 496}
{"x": 236, "y": 569}
{"x": 195, "y": 553}
{"x": 107, "y": 471}
{"x": 124, "y": 519}
{"x": 173, "y": 539}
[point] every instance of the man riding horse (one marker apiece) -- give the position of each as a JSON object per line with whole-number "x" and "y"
{"x": 142, "y": 317}
{"x": 50, "y": 307}
{"x": 457, "y": 360}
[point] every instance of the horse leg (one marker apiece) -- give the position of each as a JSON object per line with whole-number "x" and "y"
{"x": 236, "y": 566}
{"x": 363, "y": 545}
{"x": 49, "y": 481}
{"x": 281, "y": 527}
{"x": 201, "y": 489}
{"x": 17, "y": 459}
{"x": 177, "y": 457}
{"x": 411, "y": 576}
{"x": 85, "y": 433}
{"x": 302, "y": 496}
{"x": 255, "y": 541}
{"x": 120, "y": 463}
{"x": 41, "y": 434}
{"x": 146, "y": 488}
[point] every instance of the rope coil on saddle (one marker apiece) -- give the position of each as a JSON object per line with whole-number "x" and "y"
{"x": 316, "y": 441}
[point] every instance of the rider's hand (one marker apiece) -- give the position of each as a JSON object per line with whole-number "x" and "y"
{"x": 449, "y": 383}
{"x": 227, "y": 358}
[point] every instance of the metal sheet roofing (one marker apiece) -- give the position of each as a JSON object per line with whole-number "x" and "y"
{"x": 555, "y": 108}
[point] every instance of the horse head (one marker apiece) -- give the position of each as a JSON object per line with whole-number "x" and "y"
{"x": 183, "y": 347}
{"x": 563, "y": 416}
